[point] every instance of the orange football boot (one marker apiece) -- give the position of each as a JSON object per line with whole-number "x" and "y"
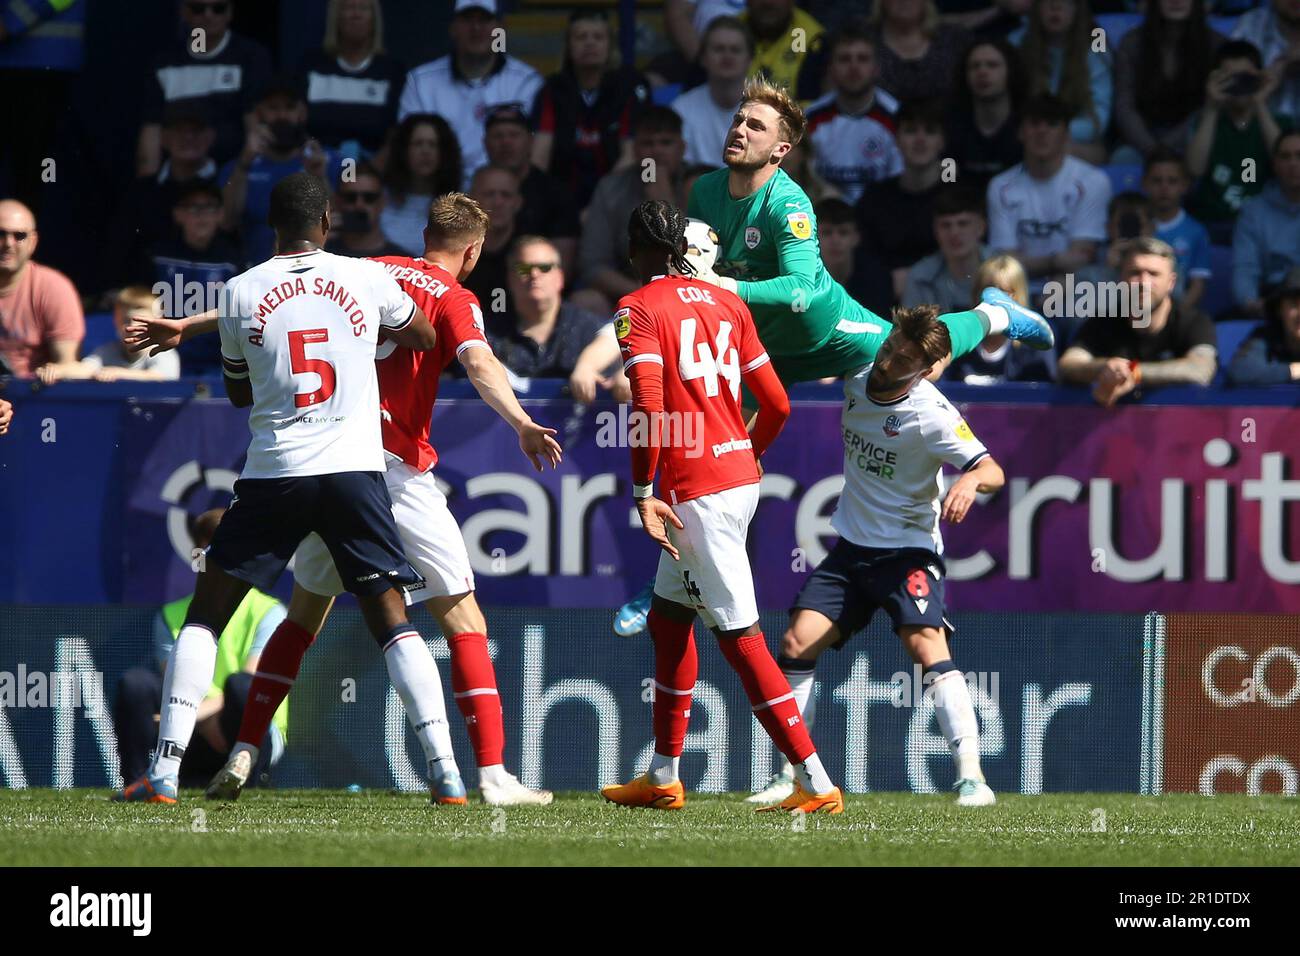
{"x": 802, "y": 800}
{"x": 642, "y": 793}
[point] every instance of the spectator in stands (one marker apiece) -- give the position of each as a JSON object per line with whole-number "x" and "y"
{"x": 1266, "y": 240}
{"x": 800, "y": 164}
{"x": 6, "y": 415}
{"x": 497, "y": 191}
{"x": 354, "y": 225}
{"x": 1271, "y": 354}
{"x": 1274, "y": 30}
{"x": 1160, "y": 72}
{"x": 585, "y": 114}
{"x": 139, "y": 693}
{"x": 852, "y": 128}
{"x": 41, "y": 322}
{"x": 1166, "y": 183}
{"x": 145, "y": 214}
{"x": 916, "y": 52}
{"x": 277, "y": 146}
{"x": 687, "y": 20}
{"x": 1146, "y": 338}
{"x": 1050, "y": 210}
{"x": 775, "y": 56}
{"x": 112, "y": 361}
{"x": 1234, "y": 126}
{"x": 897, "y": 214}
{"x": 352, "y": 84}
{"x": 841, "y": 247}
{"x": 998, "y": 359}
{"x": 209, "y": 67}
{"x": 424, "y": 161}
{"x": 946, "y": 277}
{"x": 1128, "y": 217}
{"x": 469, "y": 81}
{"x": 726, "y": 51}
{"x": 546, "y": 337}
{"x": 982, "y": 133}
{"x": 1061, "y": 58}
{"x": 602, "y": 252}
{"x": 548, "y": 209}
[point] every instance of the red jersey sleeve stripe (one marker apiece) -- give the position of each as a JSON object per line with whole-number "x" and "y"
{"x": 471, "y": 343}
{"x": 756, "y": 363}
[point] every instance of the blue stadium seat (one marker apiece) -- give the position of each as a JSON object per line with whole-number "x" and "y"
{"x": 1218, "y": 291}
{"x": 664, "y": 95}
{"x": 99, "y": 329}
{"x": 1230, "y": 335}
{"x": 1124, "y": 177}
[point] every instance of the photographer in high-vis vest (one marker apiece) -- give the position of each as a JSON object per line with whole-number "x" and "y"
{"x": 139, "y": 692}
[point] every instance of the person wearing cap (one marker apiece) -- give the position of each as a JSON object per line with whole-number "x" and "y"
{"x": 144, "y": 215}
{"x": 585, "y": 113}
{"x": 352, "y": 84}
{"x": 277, "y": 146}
{"x": 547, "y": 208}
{"x": 469, "y": 81}
{"x": 1270, "y": 355}
{"x": 208, "y": 65}
{"x": 1266, "y": 238}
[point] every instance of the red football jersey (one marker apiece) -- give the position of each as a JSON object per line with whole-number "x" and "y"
{"x": 704, "y": 337}
{"x": 408, "y": 380}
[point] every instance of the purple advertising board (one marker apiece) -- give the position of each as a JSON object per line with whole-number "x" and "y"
{"x": 1128, "y": 509}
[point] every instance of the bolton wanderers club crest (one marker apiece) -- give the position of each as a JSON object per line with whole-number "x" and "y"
{"x": 893, "y": 425}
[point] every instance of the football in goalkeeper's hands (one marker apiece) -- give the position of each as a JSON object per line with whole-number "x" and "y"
{"x": 701, "y": 248}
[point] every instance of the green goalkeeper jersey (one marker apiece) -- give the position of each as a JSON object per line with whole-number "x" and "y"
{"x": 768, "y": 243}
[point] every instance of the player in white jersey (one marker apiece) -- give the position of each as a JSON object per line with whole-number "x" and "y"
{"x": 298, "y": 337}
{"x": 899, "y": 431}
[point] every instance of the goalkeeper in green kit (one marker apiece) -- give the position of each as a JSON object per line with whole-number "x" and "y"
{"x": 768, "y": 255}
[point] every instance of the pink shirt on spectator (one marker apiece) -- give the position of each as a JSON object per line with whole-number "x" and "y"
{"x": 43, "y": 308}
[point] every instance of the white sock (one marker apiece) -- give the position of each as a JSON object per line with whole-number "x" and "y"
{"x": 663, "y": 770}
{"x": 253, "y": 752}
{"x": 494, "y": 774}
{"x": 189, "y": 675}
{"x": 414, "y": 673}
{"x": 999, "y": 318}
{"x": 956, "y": 713}
{"x": 812, "y": 775}
{"x": 802, "y": 683}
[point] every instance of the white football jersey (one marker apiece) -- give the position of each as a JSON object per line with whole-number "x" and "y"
{"x": 893, "y": 457}
{"x": 303, "y": 328}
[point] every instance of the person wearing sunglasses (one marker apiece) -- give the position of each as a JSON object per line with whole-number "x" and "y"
{"x": 357, "y": 205}
{"x": 41, "y": 322}
{"x": 208, "y": 66}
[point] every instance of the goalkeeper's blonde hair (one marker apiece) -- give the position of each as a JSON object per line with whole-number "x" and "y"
{"x": 793, "y": 122}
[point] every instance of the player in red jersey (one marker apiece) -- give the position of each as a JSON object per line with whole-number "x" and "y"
{"x": 431, "y": 539}
{"x": 686, "y": 347}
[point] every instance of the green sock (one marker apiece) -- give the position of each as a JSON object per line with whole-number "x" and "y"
{"x": 965, "y": 329}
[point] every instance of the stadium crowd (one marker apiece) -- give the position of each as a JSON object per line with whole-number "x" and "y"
{"x": 952, "y": 144}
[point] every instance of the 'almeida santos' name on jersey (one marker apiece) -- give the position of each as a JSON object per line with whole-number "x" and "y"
{"x": 320, "y": 286}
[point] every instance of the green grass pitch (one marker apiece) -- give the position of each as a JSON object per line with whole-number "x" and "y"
{"x": 81, "y": 827}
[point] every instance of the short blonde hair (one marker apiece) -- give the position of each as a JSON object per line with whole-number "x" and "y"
{"x": 137, "y": 297}
{"x": 793, "y": 122}
{"x": 1005, "y": 273}
{"x": 1147, "y": 246}
{"x": 331, "y": 43}
{"x": 455, "y": 221}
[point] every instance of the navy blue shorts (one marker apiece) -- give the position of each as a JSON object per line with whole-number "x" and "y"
{"x": 350, "y": 510}
{"x": 854, "y": 582}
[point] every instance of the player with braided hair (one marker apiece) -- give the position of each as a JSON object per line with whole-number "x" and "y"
{"x": 686, "y": 347}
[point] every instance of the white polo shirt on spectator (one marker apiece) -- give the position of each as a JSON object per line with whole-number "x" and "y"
{"x": 1041, "y": 217}
{"x": 440, "y": 87}
{"x": 704, "y": 125}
